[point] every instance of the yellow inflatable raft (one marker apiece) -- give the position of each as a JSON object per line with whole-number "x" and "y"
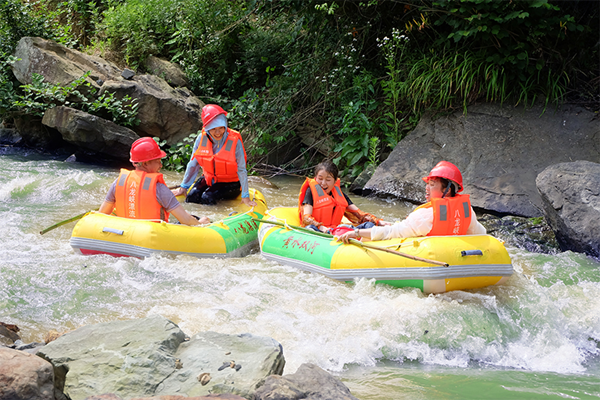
{"x": 475, "y": 261}
{"x": 234, "y": 236}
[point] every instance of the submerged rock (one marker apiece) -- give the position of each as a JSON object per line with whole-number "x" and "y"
{"x": 531, "y": 234}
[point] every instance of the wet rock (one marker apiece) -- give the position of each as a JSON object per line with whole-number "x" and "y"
{"x": 25, "y": 376}
{"x": 531, "y": 234}
{"x": 91, "y": 133}
{"x": 361, "y": 180}
{"x": 309, "y": 382}
{"x": 150, "y": 357}
{"x": 9, "y": 331}
{"x": 571, "y": 196}
{"x": 127, "y": 74}
{"x": 500, "y": 150}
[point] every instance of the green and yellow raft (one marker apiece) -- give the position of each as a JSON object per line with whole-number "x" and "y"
{"x": 475, "y": 261}
{"x": 234, "y": 236}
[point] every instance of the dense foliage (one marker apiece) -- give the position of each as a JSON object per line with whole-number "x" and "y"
{"x": 350, "y": 78}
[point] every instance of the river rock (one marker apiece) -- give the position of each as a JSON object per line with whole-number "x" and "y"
{"x": 59, "y": 64}
{"x": 172, "y": 73}
{"x": 25, "y": 376}
{"x": 499, "y": 149}
{"x": 571, "y": 196}
{"x": 309, "y": 382}
{"x": 165, "y": 112}
{"x": 91, "y": 133}
{"x": 237, "y": 364}
{"x": 225, "y": 396}
{"x": 151, "y": 357}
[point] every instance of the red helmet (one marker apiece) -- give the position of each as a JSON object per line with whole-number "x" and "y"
{"x": 447, "y": 170}
{"x": 209, "y": 112}
{"x": 145, "y": 149}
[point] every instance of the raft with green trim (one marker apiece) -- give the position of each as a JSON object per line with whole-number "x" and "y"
{"x": 234, "y": 236}
{"x": 475, "y": 261}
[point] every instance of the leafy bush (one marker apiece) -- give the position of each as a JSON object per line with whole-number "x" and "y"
{"x": 179, "y": 154}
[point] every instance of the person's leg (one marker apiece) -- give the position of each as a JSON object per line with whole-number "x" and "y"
{"x": 221, "y": 191}
{"x": 365, "y": 225}
{"x": 195, "y": 194}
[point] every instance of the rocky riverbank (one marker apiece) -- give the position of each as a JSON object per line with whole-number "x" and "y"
{"x": 152, "y": 358}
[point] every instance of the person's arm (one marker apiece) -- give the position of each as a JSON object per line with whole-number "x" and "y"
{"x": 191, "y": 172}
{"x": 243, "y": 174}
{"x": 475, "y": 227}
{"x": 308, "y": 219}
{"x": 187, "y": 219}
{"x": 107, "y": 207}
{"x": 356, "y": 216}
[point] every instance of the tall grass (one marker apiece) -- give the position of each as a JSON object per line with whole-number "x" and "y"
{"x": 457, "y": 79}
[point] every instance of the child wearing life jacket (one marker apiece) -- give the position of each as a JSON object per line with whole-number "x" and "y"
{"x": 322, "y": 204}
{"x": 445, "y": 213}
{"x": 142, "y": 193}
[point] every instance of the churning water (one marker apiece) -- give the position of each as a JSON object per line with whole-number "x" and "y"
{"x": 536, "y": 337}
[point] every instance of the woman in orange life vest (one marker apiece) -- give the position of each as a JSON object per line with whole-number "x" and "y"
{"x": 220, "y": 152}
{"x": 322, "y": 204}
{"x": 445, "y": 213}
{"x": 142, "y": 193}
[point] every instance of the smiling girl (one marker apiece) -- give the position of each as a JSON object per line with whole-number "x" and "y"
{"x": 322, "y": 204}
{"x": 445, "y": 213}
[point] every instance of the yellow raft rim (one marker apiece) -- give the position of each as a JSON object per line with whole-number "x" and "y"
{"x": 233, "y": 236}
{"x": 475, "y": 261}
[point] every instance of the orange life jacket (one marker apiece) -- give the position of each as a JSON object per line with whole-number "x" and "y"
{"x": 220, "y": 167}
{"x": 451, "y": 215}
{"x": 135, "y": 195}
{"x": 327, "y": 210}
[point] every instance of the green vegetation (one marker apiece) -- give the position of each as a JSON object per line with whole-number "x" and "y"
{"x": 359, "y": 73}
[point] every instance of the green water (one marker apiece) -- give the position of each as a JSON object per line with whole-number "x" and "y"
{"x": 535, "y": 337}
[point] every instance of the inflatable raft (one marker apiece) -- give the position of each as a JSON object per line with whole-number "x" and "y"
{"x": 234, "y": 236}
{"x": 474, "y": 261}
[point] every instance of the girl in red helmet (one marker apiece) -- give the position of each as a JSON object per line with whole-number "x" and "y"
{"x": 445, "y": 213}
{"x": 220, "y": 152}
{"x": 142, "y": 193}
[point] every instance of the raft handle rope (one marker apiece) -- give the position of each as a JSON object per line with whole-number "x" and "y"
{"x": 113, "y": 230}
{"x": 471, "y": 253}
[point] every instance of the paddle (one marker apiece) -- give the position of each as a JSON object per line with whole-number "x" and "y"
{"x": 353, "y": 241}
{"x": 75, "y": 218}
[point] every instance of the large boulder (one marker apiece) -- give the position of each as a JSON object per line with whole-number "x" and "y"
{"x": 170, "y": 72}
{"x": 25, "y": 376}
{"x": 499, "y": 149}
{"x": 153, "y": 357}
{"x": 168, "y": 113}
{"x": 93, "y": 134}
{"x": 571, "y": 196}
{"x": 59, "y": 64}
{"x": 308, "y": 383}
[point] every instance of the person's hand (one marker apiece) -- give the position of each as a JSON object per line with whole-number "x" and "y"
{"x": 204, "y": 220}
{"x": 248, "y": 202}
{"x": 179, "y": 191}
{"x": 384, "y": 223}
{"x": 346, "y": 237}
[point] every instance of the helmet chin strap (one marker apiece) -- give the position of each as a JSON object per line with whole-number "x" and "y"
{"x": 446, "y": 190}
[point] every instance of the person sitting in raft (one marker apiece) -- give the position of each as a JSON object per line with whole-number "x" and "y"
{"x": 220, "y": 152}
{"x": 142, "y": 193}
{"x": 445, "y": 213}
{"x": 322, "y": 204}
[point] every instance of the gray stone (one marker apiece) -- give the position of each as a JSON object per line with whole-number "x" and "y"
{"x": 361, "y": 180}
{"x": 170, "y": 72}
{"x": 308, "y": 383}
{"x": 571, "y": 196}
{"x": 58, "y": 64}
{"x": 168, "y": 113}
{"x": 127, "y": 74}
{"x": 91, "y": 133}
{"x": 128, "y": 358}
{"x": 9, "y": 136}
{"x": 499, "y": 149}
{"x": 236, "y": 363}
{"x": 25, "y": 376}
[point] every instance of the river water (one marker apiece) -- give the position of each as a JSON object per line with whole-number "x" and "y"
{"x": 536, "y": 337}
